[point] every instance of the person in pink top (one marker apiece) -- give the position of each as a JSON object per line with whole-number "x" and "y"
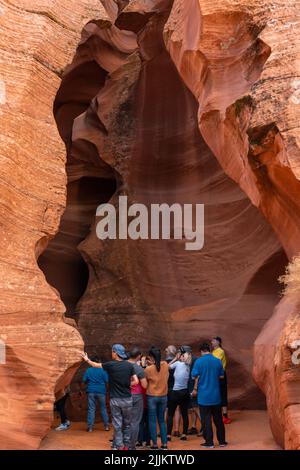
{"x": 137, "y": 396}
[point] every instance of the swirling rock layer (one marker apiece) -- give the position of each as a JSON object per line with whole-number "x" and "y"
{"x": 143, "y": 123}
{"x": 37, "y": 39}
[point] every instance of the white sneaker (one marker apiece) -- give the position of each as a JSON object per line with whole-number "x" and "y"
{"x": 63, "y": 427}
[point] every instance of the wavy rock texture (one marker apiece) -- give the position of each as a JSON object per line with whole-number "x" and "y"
{"x": 255, "y": 138}
{"x": 168, "y": 79}
{"x": 37, "y": 39}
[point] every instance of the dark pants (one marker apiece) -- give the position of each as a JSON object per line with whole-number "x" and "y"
{"x": 212, "y": 412}
{"x": 136, "y": 418}
{"x": 223, "y": 390}
{"x": 92, "y": 405}
{"x": 60, "y": 407}
{"x": 144, "y": 434}
{"x": 179, "y": 398}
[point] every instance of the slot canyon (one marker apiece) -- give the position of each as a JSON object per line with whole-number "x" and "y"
{"x": 164, "y": 101}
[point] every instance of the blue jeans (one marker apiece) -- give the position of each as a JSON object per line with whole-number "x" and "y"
{"x": 92, "y": 405}
{"x": 156, "y": 413}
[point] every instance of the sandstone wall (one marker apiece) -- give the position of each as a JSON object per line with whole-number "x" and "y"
{"x": 38, "y": 39}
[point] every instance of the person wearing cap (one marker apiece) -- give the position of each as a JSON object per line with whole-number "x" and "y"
{"x": 219, "y": 352}
{"x": 121, "y": 377}
{"x": 180, "y": 395}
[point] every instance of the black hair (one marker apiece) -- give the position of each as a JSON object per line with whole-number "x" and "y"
{"x": 95, "y": 358}
{"x": 219, "y": 340}
{"x": 156, "y": 354}
{"x": 204, "y": 347}
{"x": 134, "y": 353}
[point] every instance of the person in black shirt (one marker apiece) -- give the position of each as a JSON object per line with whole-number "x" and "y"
{"x": 121, "y": 377}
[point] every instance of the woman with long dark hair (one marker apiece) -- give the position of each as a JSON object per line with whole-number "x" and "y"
{"x": 157, "y": 374}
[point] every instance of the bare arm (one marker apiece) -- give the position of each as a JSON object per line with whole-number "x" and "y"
{"x": 176, "y": 358}
{"x": 134, "y": 380}
{"x": 85, "y": 357}
{"x": 195, "y": 391}
{"x": 144, "y": 383}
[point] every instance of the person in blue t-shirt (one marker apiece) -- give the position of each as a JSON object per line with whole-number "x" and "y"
{"x": 96, "y": 380}
{"x": 208, "y": 371}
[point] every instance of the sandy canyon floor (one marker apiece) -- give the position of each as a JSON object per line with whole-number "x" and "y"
{"x": 249, "y": 430}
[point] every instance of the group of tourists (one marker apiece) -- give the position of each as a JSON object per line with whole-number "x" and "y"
{"x": 147, "y": 392}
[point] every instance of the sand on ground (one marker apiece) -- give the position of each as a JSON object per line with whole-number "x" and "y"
{"x": 249, "y": 430}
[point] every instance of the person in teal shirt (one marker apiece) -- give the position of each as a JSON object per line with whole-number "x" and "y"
{"x": 96, "y": 384}
{"x": 207, "y": 371}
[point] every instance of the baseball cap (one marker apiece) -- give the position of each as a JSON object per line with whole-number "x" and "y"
{"x": 185, "y": 349}
{"x": 120, "y": 350}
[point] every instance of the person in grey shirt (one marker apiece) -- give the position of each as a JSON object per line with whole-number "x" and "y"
{"x": 137, "y": 396}
{"x": 180, "y": 395}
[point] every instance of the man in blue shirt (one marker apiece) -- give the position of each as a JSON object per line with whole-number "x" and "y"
{"x": 208, "y": 371}
{"x": 96, "y": 380}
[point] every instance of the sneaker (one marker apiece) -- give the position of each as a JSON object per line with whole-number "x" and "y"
{"x": 148, "y": 446}
{"x": 183, "y": 437}
{"x": 63, "y": 427}
{"x": 207, "y": 446}
{"x": 223, "y": 444}
{"x": 164, "y": 447}
{"x": 139, "y": 445}
{"x": 89, "y": 430}
{"x": 226, "y": 420}
{"x": 192, "y": 431}
{"x": 154, "y": 447}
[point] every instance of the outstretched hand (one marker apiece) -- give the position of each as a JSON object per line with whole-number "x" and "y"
{"x": 84, "y": 355}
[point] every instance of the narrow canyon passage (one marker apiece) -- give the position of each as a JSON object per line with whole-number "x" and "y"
{"x": 139, "y": 121}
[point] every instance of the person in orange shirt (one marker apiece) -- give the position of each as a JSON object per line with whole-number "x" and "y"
{"x": 219, "y": 352}
{"x": 157, "y": 375}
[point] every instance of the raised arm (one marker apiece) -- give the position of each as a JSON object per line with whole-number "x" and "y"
{"x": 85, "y": 357}
{"x": 176, "y": 358}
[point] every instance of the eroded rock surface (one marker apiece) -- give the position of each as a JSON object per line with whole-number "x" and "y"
{"x": 143, "y": 124}
{"x": 37, "y": 39}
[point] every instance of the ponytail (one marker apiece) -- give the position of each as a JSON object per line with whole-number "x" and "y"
{"x": 156, "y": 355}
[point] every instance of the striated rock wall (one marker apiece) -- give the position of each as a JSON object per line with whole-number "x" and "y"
{"x": 37, "y": 39}
{"x": 252, "y": 49}
{"x": 138, "y": 123}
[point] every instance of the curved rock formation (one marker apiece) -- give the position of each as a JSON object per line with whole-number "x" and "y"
{"x": 256, "y": 140}
{"x": 142, "y": 123}
{"x": 40, "y": 345}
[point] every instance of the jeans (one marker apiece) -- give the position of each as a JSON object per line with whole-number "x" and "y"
{"x": 121, "y": 412}
{"x": 182, "y": 399}
{"x": 214, "y": 412}
{"x": 92, "y": 405}
{"x": 60, "y": 407}
{"x": 156, "y": 412}
{"x": 136, "y": 418}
